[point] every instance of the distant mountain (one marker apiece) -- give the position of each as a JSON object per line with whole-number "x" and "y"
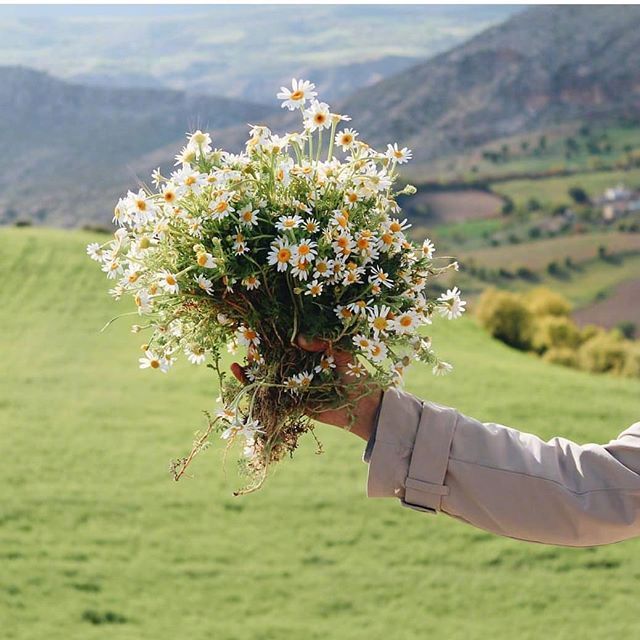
{"x": 543, "y": 66}
{"x": 68, "y": 150}
{"x": 241, "y": 51}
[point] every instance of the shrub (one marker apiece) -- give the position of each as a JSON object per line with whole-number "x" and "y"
{"x": 631, "y": 366}
{"x": 604, "y": 352}
{"x": 579, "y": 195}
{"x": 627, "y": 329}
{"x": 555, "y": 332}
{"x": 544, "y": 302}
{"x": 506, "y": 317}
{"x": 562, "y": 355}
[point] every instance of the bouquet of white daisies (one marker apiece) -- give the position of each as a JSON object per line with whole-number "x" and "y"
{"x": 298, "y": 234}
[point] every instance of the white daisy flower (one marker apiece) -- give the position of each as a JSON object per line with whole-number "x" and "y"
{"x": 326, "y": 364}
{"x": 200, "y": 142}
{"x": 195, "y": 354}
{"x": 314, "y": 289}
{"x": 280, "y": 254}
{"x": 344, "y": 313}
{"x": 286, "y": 223}
{"x": 221, "y": 207}
{"x": 362, "y": 342}
{"x": 301, "y": 269}
{"x": 300, "y": 92}
{"x": 359, "y": 307}
{"x": 205, "y": 260}
{"x": 378, "y": 276}
{"x": 204, "y": 283}
{"x": 377, "y": 350}
{"x": 428, "y": 249}
{"x": 247, "y": 336}
{"x": 356, "y": 369}
{"x": 442, "y": 368}
{"x": 379, "y": 320}
{"x": 94, "y": 251}
{"x": 311, "y": 226}
{"x": 343, "y": 245}
{"x": 251, "y": 282}
{"x": 406, "y": 322}
{"x": 450, "y": 305}
{"x": 322, "y": 268}
{"x": 395, "y": 226}
{"x": 168, "y": 281}
{"x": 317, "y": 116}
{"x": 151, "y": 361}
{"x": 304, "y": 251}
{"x": 143, "y": 301}
{"x": 398, "y": 155}
{"x": 248, "y": 215}
{"x": 186, "y": 156}
{"x": 345, "y": 138}
{"x": 303, "y": 380}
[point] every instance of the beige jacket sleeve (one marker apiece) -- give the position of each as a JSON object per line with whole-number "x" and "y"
{"x": 434, "y": 458}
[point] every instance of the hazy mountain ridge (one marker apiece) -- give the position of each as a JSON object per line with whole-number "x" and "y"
{"x": 73, "y": 144}
{"x": 540, "y": 67}
{"x": 236, "y": 51}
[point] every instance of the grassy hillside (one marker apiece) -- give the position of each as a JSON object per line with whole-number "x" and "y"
{"x": 554, "y": 191}
{"x": 96, "y": 541}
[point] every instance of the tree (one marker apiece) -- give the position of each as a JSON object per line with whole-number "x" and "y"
{"x": 579, "y": 195}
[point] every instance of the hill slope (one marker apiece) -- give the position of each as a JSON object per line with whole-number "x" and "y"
{"x": 96, "y": 541}
{"x": 542, "y": 66}
{"x": 70, "y": 149}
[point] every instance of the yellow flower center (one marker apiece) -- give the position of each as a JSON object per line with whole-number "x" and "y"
{"x": 297, "y": 95}
{"x": 169, "y": 196}
{"x": 154, "y": 364}
{"x": 346, "y": 139}
{"x": 190, "y": 181}
{"x": 284, "y": 255}
{"x": 395, "y": 227}
{"x": 320, "y": 118}
{"x": 398, "y": 154}
{"x": 304, "y": 250}
{"x": 380, "y": 323}
{"x": 202, "y": 259}
{"x": 170, "y": 280}
{"x": 363, "y": 243}
{"x": 405, "y": 321}
{"x": 352, "y": 197}
{"x": 222, "y": 206}
{"x": 141, "y": 204}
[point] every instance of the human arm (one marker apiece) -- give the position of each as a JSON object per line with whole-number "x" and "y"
{"x": 511, "y": 483}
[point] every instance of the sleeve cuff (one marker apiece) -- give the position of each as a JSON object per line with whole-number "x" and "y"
{"x": 397, "y": 425}
{"x": 410, "y": 452}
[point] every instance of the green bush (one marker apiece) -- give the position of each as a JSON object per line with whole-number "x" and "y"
{"x": 631, "y": 367}
{"x": 506, "y": 317}
{"x": 544, "y": 302}
{"x": 555, "y": 332}
{"x": 605, "y": 352}
{"x": 565, "y": 356}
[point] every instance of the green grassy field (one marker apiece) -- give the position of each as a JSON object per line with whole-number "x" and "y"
{"x": 554, "y": 191}
{"x": 97, "y": 542}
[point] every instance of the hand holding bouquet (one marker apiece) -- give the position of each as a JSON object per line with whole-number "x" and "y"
{"x": 252, "y": 249}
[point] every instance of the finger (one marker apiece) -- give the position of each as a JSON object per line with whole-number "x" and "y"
{"x": 239, "y": 373}
{"x": 312, "y": 344}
